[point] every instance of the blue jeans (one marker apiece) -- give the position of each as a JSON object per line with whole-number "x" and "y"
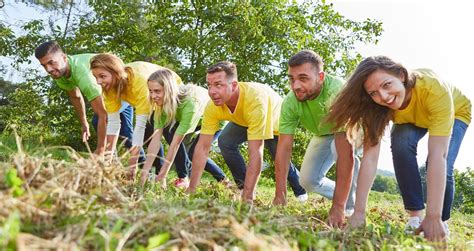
{"x": 183, "y": 158}
{"x": 126, "y": 132}
{"x": 405, "y": 138}
{"x": 320, "y": 156}
{"x": 229, "y": 141}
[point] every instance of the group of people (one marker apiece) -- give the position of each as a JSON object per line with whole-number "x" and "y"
{"x": 338, "y": 113}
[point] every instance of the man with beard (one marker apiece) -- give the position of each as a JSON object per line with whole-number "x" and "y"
{"x": 307, "y": 104}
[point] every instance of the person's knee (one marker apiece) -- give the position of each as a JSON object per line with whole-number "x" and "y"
{"x": 310, "y": 183}
{"x": 224, "y": 144}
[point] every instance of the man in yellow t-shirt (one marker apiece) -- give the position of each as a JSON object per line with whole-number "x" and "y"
{"x": 252, "y": 110}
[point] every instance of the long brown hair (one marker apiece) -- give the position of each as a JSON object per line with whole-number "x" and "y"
{"x": 113, "y": 64}
{"x": 354, "y": 109}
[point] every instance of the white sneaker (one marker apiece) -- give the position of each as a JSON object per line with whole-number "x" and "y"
{"x": 302, "y": 197}
{"x": 348, "y": 212}
{"x": 412, "y": 224}
{"x": 151, "y": 176}
{"x": 446, "y": 228}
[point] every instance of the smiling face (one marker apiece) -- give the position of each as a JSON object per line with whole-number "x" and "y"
{"x": 305, "y": 81}
{"x": 55, "y": 63}
{"x": 156, "y": 92}
{"x": 387, "y": 90}
{"x": 104, "y": 78}
{"x": 219, "y": 89}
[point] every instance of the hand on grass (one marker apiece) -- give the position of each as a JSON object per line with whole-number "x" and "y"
{"x": 161, "y": 178}
{"x": 85, "y": 133}
{"x": 433, "y": 229}
{"x": 356, "y": 220}
{"x": 131, "y": 173}
{"x": 279, "y": 201}
{"x": 145, "y": 174}
{"x": 336, "y": 217}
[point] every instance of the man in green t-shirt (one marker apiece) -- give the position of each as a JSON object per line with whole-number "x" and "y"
{"x": 72, "y": 74}
{"x": 307, "y": 104}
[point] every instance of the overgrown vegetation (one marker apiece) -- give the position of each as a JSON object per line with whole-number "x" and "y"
{"x": 86, "y": 203}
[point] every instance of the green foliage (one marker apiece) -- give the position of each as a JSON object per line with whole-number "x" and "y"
{"x": 464, "y": 194}
{"x": 385, "y": 184}
{"x": 14, "y": 182}
{"x": 38, "y": 111}
{"x": 8, "y": 232}
{"x": 157, "y": 240}
{"x": 259, "y": 36}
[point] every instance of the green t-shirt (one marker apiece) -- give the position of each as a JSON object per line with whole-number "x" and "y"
{"x": 310, "y": 113}
{"x": 189, "y": 112}
{"x": 81, "y": 77}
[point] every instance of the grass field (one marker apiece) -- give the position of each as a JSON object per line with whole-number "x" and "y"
{"x": 54, "y": 198}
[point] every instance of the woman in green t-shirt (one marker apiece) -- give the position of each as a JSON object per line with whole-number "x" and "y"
{"x": 381, "y": 90}
{"x": 178, "y": 112}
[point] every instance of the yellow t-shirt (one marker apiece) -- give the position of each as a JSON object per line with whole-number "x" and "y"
{"x": 434, "y": 105}
{"x": 136, "y": 92}
{"x": 258, "y": 109}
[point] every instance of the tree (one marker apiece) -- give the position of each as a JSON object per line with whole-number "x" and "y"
{"x": 385, "y": 184}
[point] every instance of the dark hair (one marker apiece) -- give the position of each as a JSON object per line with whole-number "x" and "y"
{"x": 46, "y": 48}
{"x": 353, "y": 108}
{"x": 306, "y": 56}
{"x": 228, "y": 67}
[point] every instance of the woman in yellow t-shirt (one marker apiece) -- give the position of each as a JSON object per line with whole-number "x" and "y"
{"x": 381, "y": 90}
{"x": 126, "y": 82}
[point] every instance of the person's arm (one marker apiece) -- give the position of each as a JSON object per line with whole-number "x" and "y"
{"x": 137, "y": 142}
{"x": 79, "y": 106}
{"x": 153, "y": 149}
{"x": 112, "y": 130}
{"x": 172, "y": 150}
{"x": 98, "y": 107}
{"x": 190, "y": 117}
{"x": 282, "y": 162}
{"x": 344, "y": 170}
{"x": 367, "y": 171}
{"x": 253, "y": 169}
{"x": 436, "y": 183}
{"x": 201, "y": 152}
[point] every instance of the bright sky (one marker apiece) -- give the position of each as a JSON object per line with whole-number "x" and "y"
{"x": 423, "y": 34}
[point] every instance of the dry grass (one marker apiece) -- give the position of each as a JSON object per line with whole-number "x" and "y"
{"x": 86, "y": 203}
{"x": 93, "y": 188}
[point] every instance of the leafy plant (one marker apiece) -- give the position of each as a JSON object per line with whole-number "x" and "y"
{"x": 14, "y": 182}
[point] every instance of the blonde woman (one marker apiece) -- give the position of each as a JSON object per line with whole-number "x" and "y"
{"x": 126, "y": 82}
{"x": 418, "y": 102}
{"x": 178, "y": 111}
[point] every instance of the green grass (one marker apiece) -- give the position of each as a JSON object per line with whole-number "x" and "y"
{"x": 94, "y": 217}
